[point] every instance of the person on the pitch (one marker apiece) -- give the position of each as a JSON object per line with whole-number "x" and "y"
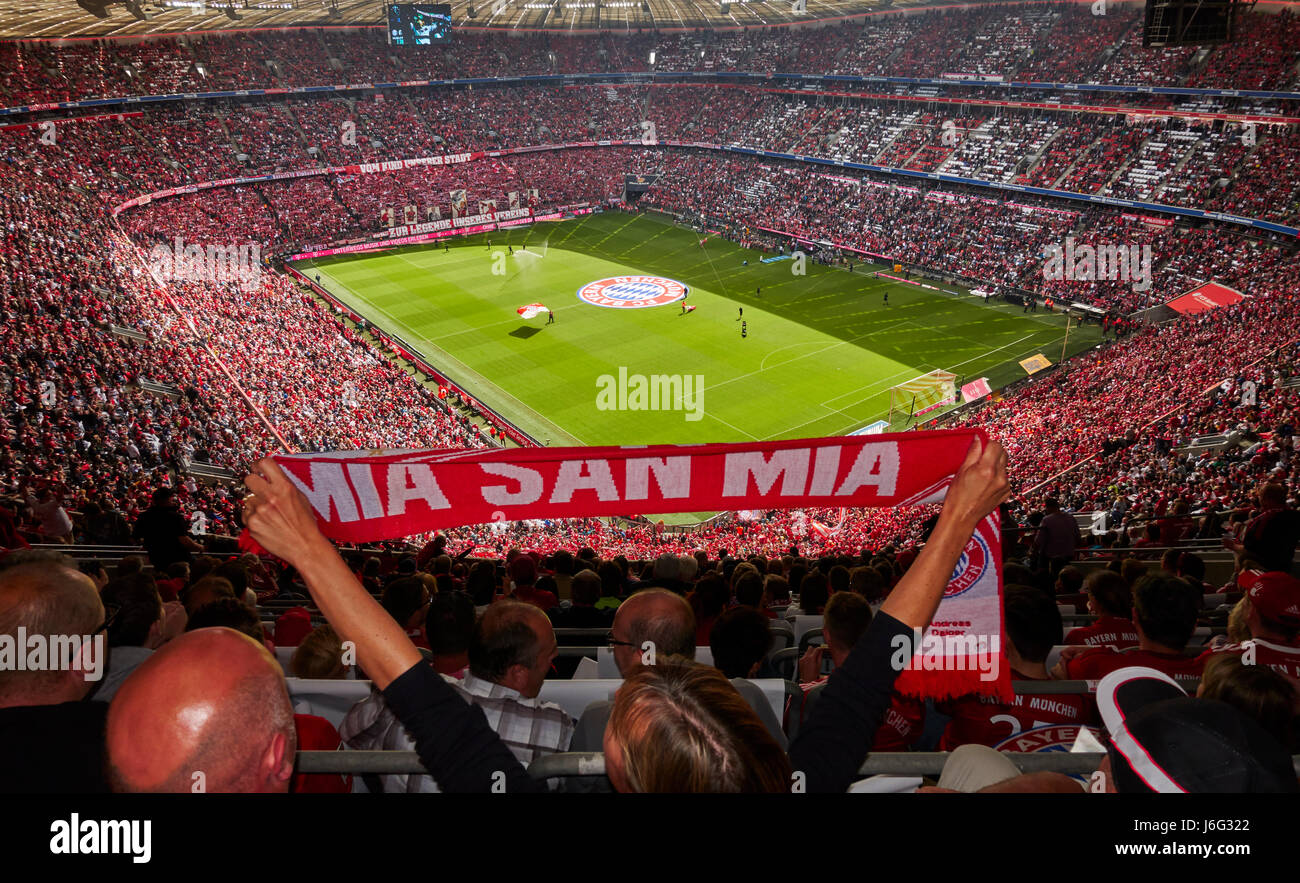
{"x": 886, "y": 298}
{"x": 741, "y": 313}
{"x": 510, "y": 248}
{"x": 743, "y": 332}
{"x": 550, "y": 317}
{"x": 758, "y": 292}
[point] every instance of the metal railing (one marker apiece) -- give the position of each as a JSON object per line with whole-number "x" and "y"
{"x": 571, "y": 764}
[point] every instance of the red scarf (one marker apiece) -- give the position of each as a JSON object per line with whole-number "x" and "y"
{"x": 366, "y": 496}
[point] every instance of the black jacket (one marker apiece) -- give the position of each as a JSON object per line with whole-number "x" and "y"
{"x": 463, "y": 753}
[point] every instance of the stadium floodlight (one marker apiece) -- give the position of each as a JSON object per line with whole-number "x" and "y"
{"x": 98, "y": 10}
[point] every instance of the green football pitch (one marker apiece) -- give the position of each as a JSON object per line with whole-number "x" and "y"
{"x": 821, "y": 350}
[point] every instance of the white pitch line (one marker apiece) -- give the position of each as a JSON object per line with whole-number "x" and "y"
{"x": 831, "y": 346}
{"x": 991, "y": 352}
{"x": 762, "y": 366}
{"x": 871, "y": 386}
{"x": 886, "y": 380}
{"x": 737, "y": 428}
{"x": 443, "y": 356}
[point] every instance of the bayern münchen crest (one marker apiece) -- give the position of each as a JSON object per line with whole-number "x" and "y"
{"x": 632, "y": 292}
{"x": 975, "y": 559}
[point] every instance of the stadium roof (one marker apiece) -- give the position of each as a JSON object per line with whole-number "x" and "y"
{"x": 55, "y": 19}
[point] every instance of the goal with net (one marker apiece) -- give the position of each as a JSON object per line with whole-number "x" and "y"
{"x": 922, "y": 394}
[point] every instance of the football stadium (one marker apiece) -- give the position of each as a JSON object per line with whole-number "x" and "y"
{"x": 799, "y": 396}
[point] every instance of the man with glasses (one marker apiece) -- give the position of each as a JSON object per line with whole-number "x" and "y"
{"x": 135, "y": 629}
{"x": 653, "y": 625}
{"x": 51, "y": 739}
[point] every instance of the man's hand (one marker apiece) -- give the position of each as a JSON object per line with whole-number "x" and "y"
{"x": 279, "y": 517}
{"x": 979, "y": 485}
{"x": 1059, "y": 672}
{"x": 283, "y": 522}
{"x": 976, "y": 490}
{"x": 810, "y": 664}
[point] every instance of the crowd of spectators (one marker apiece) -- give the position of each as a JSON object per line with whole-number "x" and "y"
{"x": 1174, "y": 162}
{"x": 982, "y": 239}
{"x": 1065, "y": 42}
{"x": 482, "y": 631}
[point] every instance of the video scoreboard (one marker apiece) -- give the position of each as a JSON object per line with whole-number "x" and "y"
{"x": 419, "y": 24}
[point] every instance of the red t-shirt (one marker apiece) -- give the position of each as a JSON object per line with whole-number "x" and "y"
{"x": 985, "y": 720}
{"x": 317, "y": 734}
{"x": 900, "y": 728}
{"x": 1282, "y": 658}
{"x": 702, "y": 630}
{"x": 539, "y": 597}
{"x": 1095, "y": 664}
{"x": 902, "y": 725}
{"x": 1105, "y": 631}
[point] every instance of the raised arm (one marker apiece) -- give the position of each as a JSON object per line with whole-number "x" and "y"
{"x": 976, "y": 490}
{"x": 456, "y": 744}
{"x": 282, "y": 521}
{"x": 832, "y": 745}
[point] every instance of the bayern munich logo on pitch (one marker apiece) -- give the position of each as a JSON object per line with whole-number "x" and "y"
{"x": 632, "y": 292}
{"x": 974, "y": 561}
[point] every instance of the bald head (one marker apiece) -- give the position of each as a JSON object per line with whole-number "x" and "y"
{"x": 60, "y": 603}
{"x": 212, "y": 701}
{"x": 656, "y": 615}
